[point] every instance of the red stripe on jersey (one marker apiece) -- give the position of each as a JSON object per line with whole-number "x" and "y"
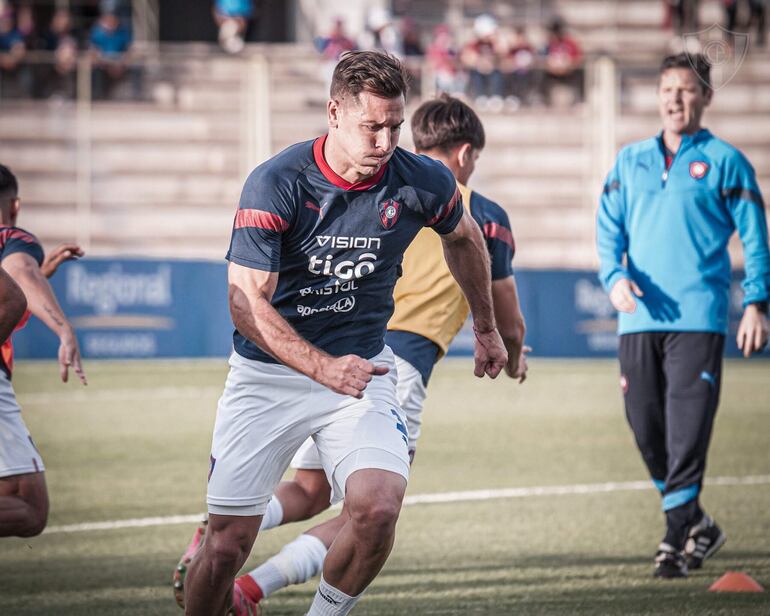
{"x": 260, "y": 220}
{"x": 499, "y": 232}
{"x": 8, "y": 233}
{"x": 445, "y": 211}
{"x": 340, "y": 182}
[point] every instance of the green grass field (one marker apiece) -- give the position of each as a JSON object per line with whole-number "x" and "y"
{"x": 134, "y": 444}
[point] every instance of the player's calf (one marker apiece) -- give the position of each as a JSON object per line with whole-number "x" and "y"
{"x": 23, "y": 505}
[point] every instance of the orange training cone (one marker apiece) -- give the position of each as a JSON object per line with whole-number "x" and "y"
{"x": 733, "y": 581}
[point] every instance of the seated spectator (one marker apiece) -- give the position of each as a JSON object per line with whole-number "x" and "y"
{"x": 517, "y": 66}
{"x": 481, "y": 59}
{"x": 337, "y": 43}
{"x": 232, "y": 18}
{"x": 332, "y": 47}
{"x": 60, "y": 39}
{"x": 563, "y": 63}
{"x": 757, "y": 17}
{"x": 15, "y": 78}
{"x": 110, "y": 49}
{"x": 442, "y": 59}
{"x": 381, "y": 33}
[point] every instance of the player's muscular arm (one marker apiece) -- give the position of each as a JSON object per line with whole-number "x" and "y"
{"x": 42, "y": 303}
{"x": 510, "y": 324}
{"x": 250, "y": 292}
{"x": 467, "y": 258}
{"x": 12, "y": 305}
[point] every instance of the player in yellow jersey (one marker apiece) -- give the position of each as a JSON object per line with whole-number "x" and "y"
{"x": 430, "y": 309}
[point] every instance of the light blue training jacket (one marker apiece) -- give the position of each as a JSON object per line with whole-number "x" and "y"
{"x": 668, "y": 231}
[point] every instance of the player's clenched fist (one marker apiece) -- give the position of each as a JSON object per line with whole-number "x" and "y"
{"x": 349, "y": 375}
{"x": 489, "y": 354}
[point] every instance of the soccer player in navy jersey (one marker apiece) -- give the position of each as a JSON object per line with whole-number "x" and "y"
{"x": 23, "y": 493}
{"x": 315, "y": 253}
{"x": 429, "y": 311}
{"x": 669, "y": 207}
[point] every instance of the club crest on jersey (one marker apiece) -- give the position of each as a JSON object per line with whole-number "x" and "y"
{"x": 698, "y": 169}
{"x": 389, "y": 212}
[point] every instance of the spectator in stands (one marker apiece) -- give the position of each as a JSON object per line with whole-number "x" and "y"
{"x": 517, "y": 67}
{"x": 682, "y": 15}
{"x": 332, "y": 47}
{"x": 338, "y": 42}
{"x": 381, "y": 33}
{"x": 481, "y": 58}
{"x": 61, "y": 40}
{"x": 442, "y": 58}
{"x": 233, "y": 17}
{"x": 757, "y": 16}
{"x": 14, "y": 76}
{"x": 111, "y": 50}
{"x": 563, "y": 63}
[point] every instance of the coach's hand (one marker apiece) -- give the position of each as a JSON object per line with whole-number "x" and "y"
{"x": 69, "y": 357}
{"x": 623, "y": 295}
{"x": 752, "y": 331}
{"x": 489, "y": 353}
{"x": 349, "y": 375}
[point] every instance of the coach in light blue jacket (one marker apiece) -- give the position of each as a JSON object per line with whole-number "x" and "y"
{"x": 669, "y": 207}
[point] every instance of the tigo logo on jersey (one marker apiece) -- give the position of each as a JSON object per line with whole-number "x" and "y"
{"x": 698, "y": 169}
{"x": 389, "y": 212}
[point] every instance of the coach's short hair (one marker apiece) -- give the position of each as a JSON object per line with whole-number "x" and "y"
{"x": 444, "y": 123}
{"x": 371, "y": 71}
{"x": 9, "y": 187}
{"x": 696, "y": 62}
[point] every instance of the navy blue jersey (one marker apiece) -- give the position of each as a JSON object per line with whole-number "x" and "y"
{"x": 337, "y": 246}
{"x": 497, "y": 231}
{"x": 13, "y": 240}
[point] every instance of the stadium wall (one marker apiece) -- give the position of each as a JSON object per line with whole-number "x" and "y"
{"x": 139, "y": 308}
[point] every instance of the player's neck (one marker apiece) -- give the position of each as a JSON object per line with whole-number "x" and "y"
{"x": 340, "y": 164}
{"x": 673, "y": 140}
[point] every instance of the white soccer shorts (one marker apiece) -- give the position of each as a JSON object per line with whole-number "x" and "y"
{"x": 411, "y": 394}
{"x": 268, "y": 410}
{"x": 18, "y": 454}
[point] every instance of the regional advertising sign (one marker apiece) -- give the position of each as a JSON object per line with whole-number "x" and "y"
{"x": 132, "y": 308}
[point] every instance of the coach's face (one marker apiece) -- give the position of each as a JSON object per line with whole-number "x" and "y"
{"x": 366, "y": 130}
{"x": 682, "y": 98}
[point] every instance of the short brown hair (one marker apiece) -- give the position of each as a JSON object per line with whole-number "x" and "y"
{"x": 446, "y": 122}
{"x": 370, "y": 71}
{"x": 697, "y": 63}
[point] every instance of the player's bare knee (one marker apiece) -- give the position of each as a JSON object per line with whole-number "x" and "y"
{"x": 375, "y": 520}
{"x": 36, "y": 522}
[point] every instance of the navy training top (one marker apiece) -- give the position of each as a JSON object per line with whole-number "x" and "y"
{"x": 337, "y": 246}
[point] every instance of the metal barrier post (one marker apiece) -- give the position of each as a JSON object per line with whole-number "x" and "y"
{"x": 256, "y": 140}
{"x": 83, "y": 143}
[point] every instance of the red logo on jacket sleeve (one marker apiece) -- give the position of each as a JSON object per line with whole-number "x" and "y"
{"x": 698, "y": 169}
{"x": 389, "y": 212}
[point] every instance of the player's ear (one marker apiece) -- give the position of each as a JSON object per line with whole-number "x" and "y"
{"x": 464, "y": 154}
{"x": 333, "y": 113}
{"x": 15, "y": 207}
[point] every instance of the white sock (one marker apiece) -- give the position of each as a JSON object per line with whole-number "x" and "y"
{"x": 329, "y": 601}
{"x": 296, "y": 563}
{"x": 273, "y": 515}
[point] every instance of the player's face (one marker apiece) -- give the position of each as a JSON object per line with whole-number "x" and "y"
{"x": 367, "y": 130}
{"x": 682, "y": 98}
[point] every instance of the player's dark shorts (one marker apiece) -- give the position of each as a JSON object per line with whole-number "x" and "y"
{"x": 670, "y": 383}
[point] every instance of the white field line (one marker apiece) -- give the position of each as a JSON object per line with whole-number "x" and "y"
{"x": 422, "y": 499}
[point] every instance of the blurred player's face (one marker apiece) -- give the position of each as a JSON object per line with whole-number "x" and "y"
{"x": 363, "y": 133}
{"x": 682, "y": 98}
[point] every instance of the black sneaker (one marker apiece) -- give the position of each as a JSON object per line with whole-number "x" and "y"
{"x": 669, "y": 563}
{"x": 703, "y": 540}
